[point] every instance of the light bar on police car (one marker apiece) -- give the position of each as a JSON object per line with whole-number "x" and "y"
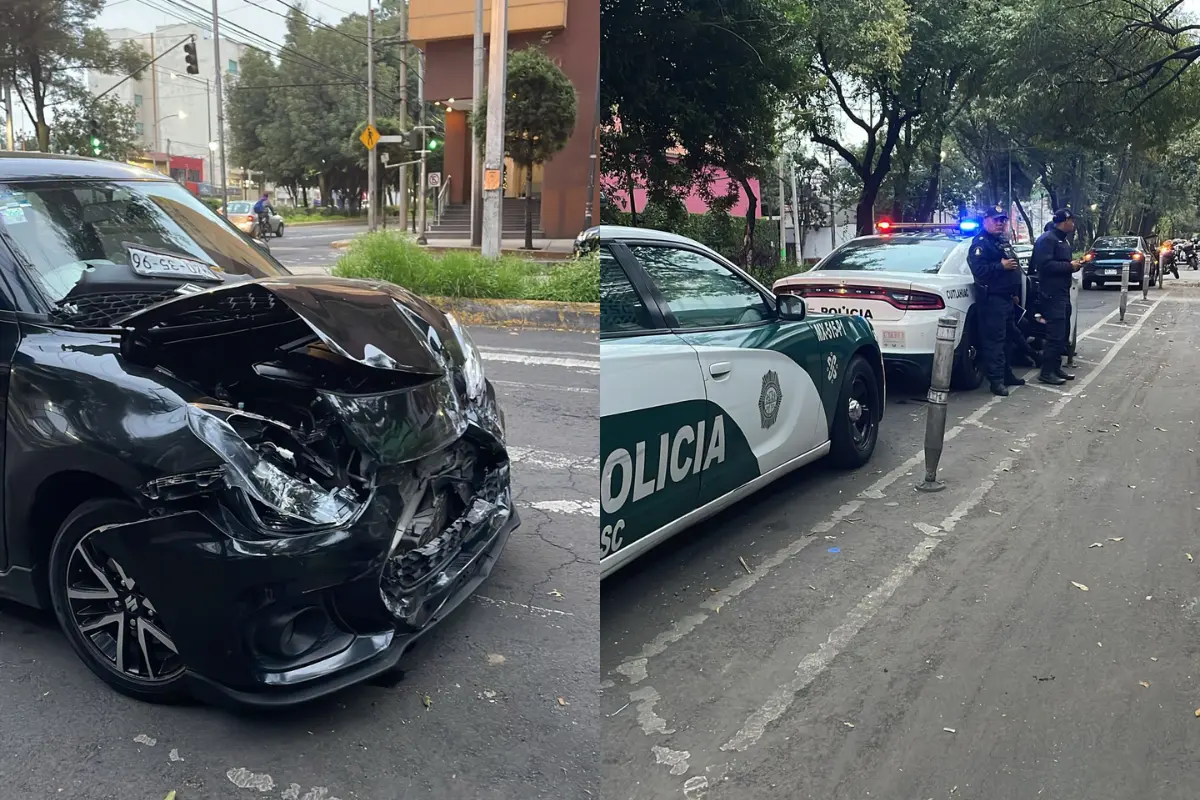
{"x": 886, "y": 226}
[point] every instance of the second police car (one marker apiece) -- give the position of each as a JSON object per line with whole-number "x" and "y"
{"x": 711, "y": 387}
{"x": 903, "y": 279}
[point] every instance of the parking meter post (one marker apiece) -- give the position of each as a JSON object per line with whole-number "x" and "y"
{"x": 938, "y": 397}
{"x": 1124, "y": 289}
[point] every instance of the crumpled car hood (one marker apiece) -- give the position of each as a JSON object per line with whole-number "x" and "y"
{"x": 377, "y": 324}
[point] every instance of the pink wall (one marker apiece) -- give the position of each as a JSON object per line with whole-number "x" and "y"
{"x": 693, "y": 201}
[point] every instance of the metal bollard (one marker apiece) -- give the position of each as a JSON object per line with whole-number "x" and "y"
{"x": 1145, "y": 282}
{"x": 1162, "y": 269}
{"x": 1124, "y": 288}
{"x": 939, "y": 395}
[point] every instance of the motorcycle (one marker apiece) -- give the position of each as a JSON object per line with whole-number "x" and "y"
{"x": 1190, "y": 251}
{"x": 1169, "y": 256}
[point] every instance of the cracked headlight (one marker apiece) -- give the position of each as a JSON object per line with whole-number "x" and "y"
{"x": 284, "y": 494}
{"x": 472, "y": 361}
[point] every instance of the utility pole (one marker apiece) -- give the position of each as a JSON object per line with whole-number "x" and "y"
{"x": 9, "y": 138}
{"x": 424, "y": 147}
{"x": 1008, "y": 211}
{"x": 796, "y": 216}
{"x": 154, "y": 97}
{"x": 782, "y": 216}
{"x": 208, "y": 118}
{"x": 371, "y": 155}
{"x": 588, "y": 211}
{"x": 493, "y": 151}
{"x": 402, "y": 176}
{"x": 220, "y": 104}
{"x": 476, "y": 107}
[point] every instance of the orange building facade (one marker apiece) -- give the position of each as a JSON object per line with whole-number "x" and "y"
{"x": 444, "y": 30}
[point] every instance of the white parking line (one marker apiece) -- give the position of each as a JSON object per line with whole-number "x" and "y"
{"x": 548, "y": 387}
{"x": 1095, "y": 338}
{"x": 532, "y": 358}
{"x": 553, "y": 461}
{"x": 524, "y": 606}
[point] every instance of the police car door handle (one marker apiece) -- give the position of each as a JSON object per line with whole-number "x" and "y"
{"x": 720, "y": 369}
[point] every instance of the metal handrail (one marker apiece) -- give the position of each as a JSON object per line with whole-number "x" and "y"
{"x": 441, "y": 201}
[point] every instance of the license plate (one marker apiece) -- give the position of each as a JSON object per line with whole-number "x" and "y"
{"x": 153, "y": 264}
{"x": 1112, "y": 272}
{"x": 892, "y": 339}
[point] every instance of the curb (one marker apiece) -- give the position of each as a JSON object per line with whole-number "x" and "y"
{"x": 532, "y": 314}
{"x": 529, "y": 255}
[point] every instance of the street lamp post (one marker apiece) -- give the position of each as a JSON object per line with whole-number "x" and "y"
{"x": 157, "y": 130}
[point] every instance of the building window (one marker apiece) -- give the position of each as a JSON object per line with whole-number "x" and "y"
{"x": 137, "y": 100}
{"x": 193, "y": 175}
{"x": 140, "y": 127}
{"x": 233, "y": 67}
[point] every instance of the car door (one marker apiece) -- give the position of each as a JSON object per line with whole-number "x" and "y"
{"x": 10, "y": 338}
{"x": 764, "y": 378}
{"x": 653, "y": 414}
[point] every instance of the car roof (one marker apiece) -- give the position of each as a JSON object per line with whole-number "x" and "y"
{"x": 610, "y": 232}
{"x": 26, "y": 166}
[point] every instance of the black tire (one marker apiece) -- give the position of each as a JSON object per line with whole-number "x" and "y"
{"x": 279, "y": 233}
{"x": 853, "y": 440}
{"x": 74, "y": 563}
{"x": 968, "y": 371}
{"x": 1087, "y": 284}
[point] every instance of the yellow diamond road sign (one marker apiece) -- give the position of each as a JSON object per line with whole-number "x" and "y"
{"x": 369, "y": 137}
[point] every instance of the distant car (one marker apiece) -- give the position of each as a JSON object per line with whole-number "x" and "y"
{"x": 1109, "y": 255}
{"x": 241, "y": 213}
{"x": 711, "y": 387}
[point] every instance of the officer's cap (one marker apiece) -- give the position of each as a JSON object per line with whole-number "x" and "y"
{"x": 1062, "y": 215}
{"x": 995, "y": 213}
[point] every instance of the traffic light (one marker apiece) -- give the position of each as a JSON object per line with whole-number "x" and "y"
{"x": 94, "y": 137}
{"x": 434, "y": 144}
{"x": 412, "y": 140}
{"x": 189, "y": 55}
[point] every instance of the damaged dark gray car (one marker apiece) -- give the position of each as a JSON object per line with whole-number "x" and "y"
{"x": 224, "y": 479}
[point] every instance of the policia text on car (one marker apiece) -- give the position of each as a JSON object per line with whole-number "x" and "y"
{"x": 997, "y": 274}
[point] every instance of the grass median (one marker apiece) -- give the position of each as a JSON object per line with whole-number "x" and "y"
{"x": 396, "y": 258}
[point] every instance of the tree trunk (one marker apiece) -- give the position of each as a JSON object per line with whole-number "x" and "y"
{"x": 932, "y": 189}
{"x": 629, "y": 189}
{"x": 864, "y": 212}
{"x": 903, "y": 175}
{"x": 748, "y": 237}
{"x": 1028, "y": 223}
{"x": 529, "y": 206}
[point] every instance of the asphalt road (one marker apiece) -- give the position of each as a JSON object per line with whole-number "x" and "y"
{"x": 305, "y": 247}
{"x": 495, "y": 670}
{"x": 893, "y": 644}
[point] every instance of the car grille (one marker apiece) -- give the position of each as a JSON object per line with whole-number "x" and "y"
{"x": 99, "y": 310}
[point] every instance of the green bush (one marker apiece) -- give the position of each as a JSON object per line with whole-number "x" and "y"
{"x": 396, "y": 258}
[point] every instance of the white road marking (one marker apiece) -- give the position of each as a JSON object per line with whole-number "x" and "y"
{"x": 1121, "y": 324}
{"x": 533, "y": 359}
{"x": 650, "y": 722}
{"x": 590, "y": 508}
{"x": 547, "y": 387}
{"x": 1095, "y": 338}
{"x": 245, "y": 779}
{"x": 1046, "y": 388}
{"x": 552, "y": 461}
{"x": 676, "y": 759}
{"x": 815, "y": 663}
{"x": 523, "y": 606}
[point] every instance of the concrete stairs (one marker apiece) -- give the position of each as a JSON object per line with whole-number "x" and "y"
{"x": 456, "y": 221}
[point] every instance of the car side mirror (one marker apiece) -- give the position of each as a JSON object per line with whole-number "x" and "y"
{"x": 791, "y": 307}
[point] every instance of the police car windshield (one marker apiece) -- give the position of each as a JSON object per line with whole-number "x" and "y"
{"x": 1116, "y": 243}
{"x": 891, "y": 254}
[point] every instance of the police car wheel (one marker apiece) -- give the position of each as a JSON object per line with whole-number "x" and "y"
{"x": 968, "y": 371}
{"x": 856, "y": 418}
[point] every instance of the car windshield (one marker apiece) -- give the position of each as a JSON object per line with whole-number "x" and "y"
{"x": 62, "y": 229}
{"x": 1116, "y": 243}
{"x": 891, "y": 255}
{"x": 239, "y": 208}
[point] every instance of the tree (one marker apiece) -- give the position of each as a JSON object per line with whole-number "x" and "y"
{"x": 539, "y": 117}
{"x": 117, "y": 123}
{"x": 701, "y": 82}
{"x": 44, "y": 46}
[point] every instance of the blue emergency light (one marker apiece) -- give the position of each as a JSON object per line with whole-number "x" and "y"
{"x": 968, "y": 226}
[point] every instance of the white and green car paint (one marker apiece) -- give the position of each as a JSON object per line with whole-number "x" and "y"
{"x": 694, "y": 420}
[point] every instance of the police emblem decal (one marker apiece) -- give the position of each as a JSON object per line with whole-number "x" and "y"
{"x": 831, "y": 367}
{"x": 770, "y": 399}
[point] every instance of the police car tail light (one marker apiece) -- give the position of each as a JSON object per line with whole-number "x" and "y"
{"x": 921, "y": 301}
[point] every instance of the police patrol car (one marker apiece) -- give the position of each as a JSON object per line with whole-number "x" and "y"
{"x": 712, "y": 387}
{"x": 903, "y": 279}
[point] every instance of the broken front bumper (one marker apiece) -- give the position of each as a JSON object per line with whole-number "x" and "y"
{"x": 275, "y": 621}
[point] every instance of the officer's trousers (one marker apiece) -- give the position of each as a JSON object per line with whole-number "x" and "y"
{"x": 994, "y": 314}
{"x": 1056, "y": 310}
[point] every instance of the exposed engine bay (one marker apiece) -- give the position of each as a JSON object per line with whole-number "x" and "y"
{"x": 311, "y": 432}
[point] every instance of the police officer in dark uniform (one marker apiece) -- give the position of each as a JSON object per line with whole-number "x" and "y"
{"x": 997, "y": 273}
{"x": 1055, "y": 268}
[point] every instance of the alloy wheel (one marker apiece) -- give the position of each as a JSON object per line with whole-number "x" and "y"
{"x": 116, "y": 619}
{"x": 859, "y": 412}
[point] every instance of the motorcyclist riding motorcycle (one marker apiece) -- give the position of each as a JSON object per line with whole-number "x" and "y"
{"x": 1169, "y": 255}
{"x": 262, "y": 209}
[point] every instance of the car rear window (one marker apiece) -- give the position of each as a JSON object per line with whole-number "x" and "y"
{"x": 1116, "y": 243}
{"x": 891, "y": 255}
{"x": 239, "y": 208}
